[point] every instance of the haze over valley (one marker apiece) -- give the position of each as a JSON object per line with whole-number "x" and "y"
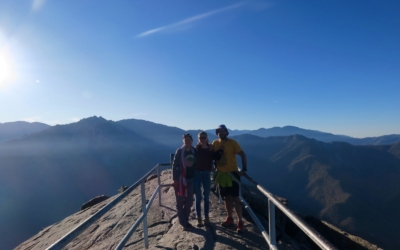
{"x": 47, "y": 175}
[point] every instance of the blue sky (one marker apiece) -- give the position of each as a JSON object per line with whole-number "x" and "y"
{"x": 332, "y": 66}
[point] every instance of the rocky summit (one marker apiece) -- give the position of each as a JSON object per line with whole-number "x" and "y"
{"x": 163, "y": 228}
{"x": 164, "y": 231}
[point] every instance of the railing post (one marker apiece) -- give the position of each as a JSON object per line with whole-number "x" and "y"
{"x": 159, "y": 184}
{"x": 171, "y": 159}
{"x": 146, "y": 240}
{"x": 271, "y": 218}
{"x": 219, "y": 194}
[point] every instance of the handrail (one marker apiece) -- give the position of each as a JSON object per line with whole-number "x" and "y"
{"x": 264, "y": 233}
{"x": 272, "y": 202}
{"x": 63, "y": 241}
{"x": 145, "y": 209}
{"x": 121, "y": 244}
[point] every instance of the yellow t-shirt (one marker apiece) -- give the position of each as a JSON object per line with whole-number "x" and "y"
{"x": 228, "y": 160}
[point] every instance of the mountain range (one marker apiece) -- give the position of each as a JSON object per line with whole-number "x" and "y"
{"x": 317, "y": 135}
{"x": 47, "y": 175}
{"x": 14, "y": 130}
{"x": 355, "y": 188}
{"x": 168, "y": 135}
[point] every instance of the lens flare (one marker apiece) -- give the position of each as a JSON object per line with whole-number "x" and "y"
{"x": 7, "y": 71}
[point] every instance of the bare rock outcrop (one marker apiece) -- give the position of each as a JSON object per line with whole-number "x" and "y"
{"x": 94, "y": 201}
{"x": 164, "y": 230}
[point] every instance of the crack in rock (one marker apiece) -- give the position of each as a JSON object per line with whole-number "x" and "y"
{"x": 137, "y": 241}
{"x": 167, "y": 248}
{"x": 94, "y": 229}
{"x": 158, "y": 223}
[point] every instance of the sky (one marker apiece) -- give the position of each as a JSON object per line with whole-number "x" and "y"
{"x": 332, "y": 66}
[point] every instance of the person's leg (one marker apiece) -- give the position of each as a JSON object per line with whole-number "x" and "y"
{"x": 189, "y": 199}
{"x": 235, "y": 198}
{"x": 224, "y": 192}
{"x": 206, "y": 181}
{"x": 179, "y": 208}
{"x": 237, "y": 204}
{"x": 207, "y": 187}
{"x": 238, "y": 207}
{"x": 228, "y": 205}
{"x": 197, "y": 191}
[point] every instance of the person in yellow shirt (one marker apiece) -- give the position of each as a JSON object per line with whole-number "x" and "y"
{"x": 225, "y": 151}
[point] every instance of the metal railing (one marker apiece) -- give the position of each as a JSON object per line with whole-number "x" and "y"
{"x": 63, "y": 241}
{"x": 272, "y": 202}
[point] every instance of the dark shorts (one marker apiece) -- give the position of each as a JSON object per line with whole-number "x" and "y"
{"x": 232, "y": 191}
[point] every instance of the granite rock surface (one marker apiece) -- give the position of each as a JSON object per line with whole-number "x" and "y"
{"x": 164, "y": 231}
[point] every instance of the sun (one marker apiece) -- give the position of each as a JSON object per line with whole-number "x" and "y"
{"x": 7, "y": 72}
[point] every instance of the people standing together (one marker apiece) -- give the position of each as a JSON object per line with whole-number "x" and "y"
{"x": 192, "y": 168}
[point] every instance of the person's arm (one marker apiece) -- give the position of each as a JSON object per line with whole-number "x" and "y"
{"x": 244, "y": 161}
{"x": 175, "y": 169}
{"x": 175, "y": 166}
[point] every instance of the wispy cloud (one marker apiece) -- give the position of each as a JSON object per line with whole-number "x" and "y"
{"x": 189, "y": 20}
{"x": 37, "y": 4}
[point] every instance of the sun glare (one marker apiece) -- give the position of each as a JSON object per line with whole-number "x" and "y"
{"x": 7, "y": 72}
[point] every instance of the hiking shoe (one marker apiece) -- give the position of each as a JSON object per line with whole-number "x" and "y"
{"x": 228, "y": 222}
{"x": 199, "y": 222}
{"x": 207, "y": 221}
{"x": 240, "y": 227}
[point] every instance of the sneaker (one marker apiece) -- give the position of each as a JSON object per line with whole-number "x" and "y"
{"x": 228, "y": 222}
{"x": 185, "y": 228}
{"x": 207, "y": 221}
{"x": 189, "y": 225}
{"x": 199, "y": 222}
{"x": 240, "y": 227}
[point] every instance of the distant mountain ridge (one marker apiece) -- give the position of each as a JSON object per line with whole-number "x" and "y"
{"x": 48, "y": 175}
{"x": 353, "y": 187}
{"x": 317, "y": 135}
{"x": 63, "y": 166}
{"x": 14, "y": 130}
{"x": 168, "y": 135}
